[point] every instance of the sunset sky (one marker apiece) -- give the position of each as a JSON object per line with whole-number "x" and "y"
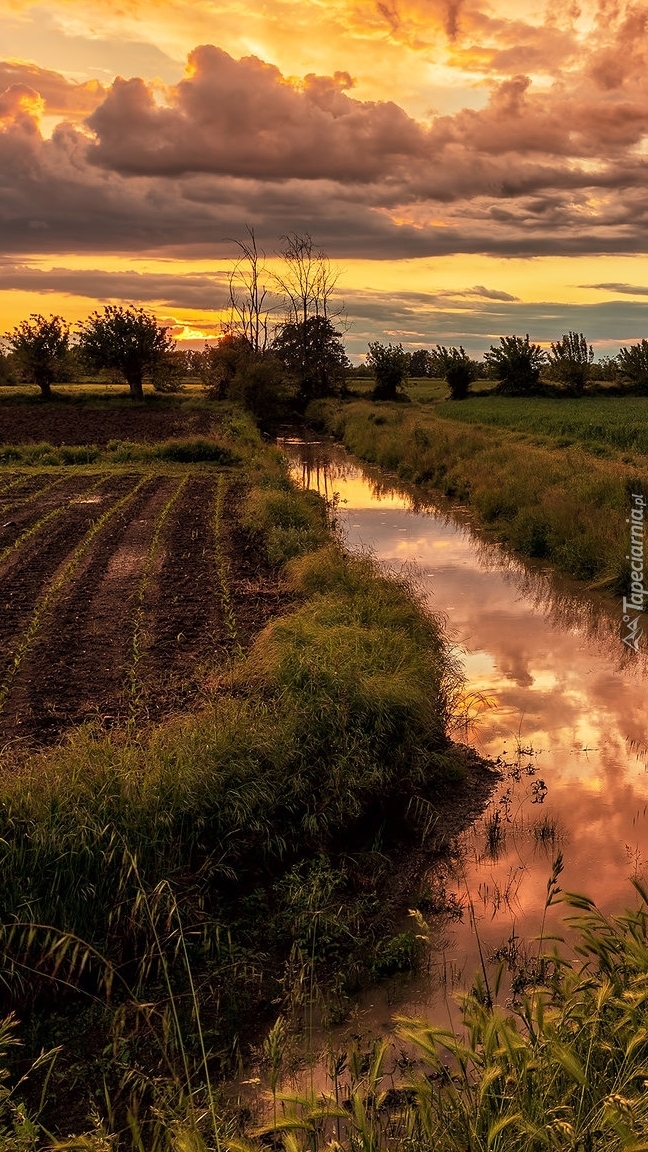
{"x": 473, "y": 168}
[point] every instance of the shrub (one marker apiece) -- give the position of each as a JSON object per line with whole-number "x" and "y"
{"x": 193, "y": 451}
{"x": 390, "y": 364}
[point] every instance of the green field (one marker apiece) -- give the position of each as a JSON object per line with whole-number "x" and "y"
{"x": 599, "y": 424}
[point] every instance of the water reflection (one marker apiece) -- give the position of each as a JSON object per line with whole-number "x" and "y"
{"x": 557, "y": 700}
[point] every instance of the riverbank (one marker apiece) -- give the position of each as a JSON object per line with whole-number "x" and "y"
{"x": 167, "y": 887}
{"x": 547, "y": 500}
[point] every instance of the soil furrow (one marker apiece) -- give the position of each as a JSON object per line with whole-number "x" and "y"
{"x": 184, "y": 627}
{"x": 75, "y": 670}
{"x": 27, "y": 571}
{"x": 18, "y": 519}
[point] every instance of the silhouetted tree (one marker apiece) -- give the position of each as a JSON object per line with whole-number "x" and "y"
{"x": 570, "y": 360}
{"x": 250, "y": 294}
{"x": 127, "y": 338}
{"x": 40, "y": 347}
{"x": 313, "y": 354}
{"x": 390, "y": 364}
{"x": 516, "y": 363}
{"x": 456, "y": 367}
{"x": 421, "y": 362}
{"x": 633, "y": 365}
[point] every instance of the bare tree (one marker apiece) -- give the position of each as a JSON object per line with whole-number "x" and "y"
{"x": 249, "y": 290}
{"x": 307, "y": 281}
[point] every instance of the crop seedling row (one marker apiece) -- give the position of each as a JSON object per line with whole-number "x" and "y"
{"x": 223, "y": 569}
{"x": 56, "y": 585}
{"x": 35, "y": 528}
{"x": 135, "y": 686}
{"x": 23, "y": 500}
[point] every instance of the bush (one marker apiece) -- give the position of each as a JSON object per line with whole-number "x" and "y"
{"x": 193, "y": 451}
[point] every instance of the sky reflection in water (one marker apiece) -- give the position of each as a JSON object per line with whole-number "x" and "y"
{"x": 557, "y": 684}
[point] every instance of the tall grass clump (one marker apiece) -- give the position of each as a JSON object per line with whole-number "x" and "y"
{"x": 560, "y": 1067}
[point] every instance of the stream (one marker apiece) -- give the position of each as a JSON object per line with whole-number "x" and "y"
{"x": 551, "y": 695}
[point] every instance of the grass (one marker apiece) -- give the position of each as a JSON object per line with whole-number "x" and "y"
{"x": 559, "y": 504}
{"x": 557, "y": 1064}
{"x": 188, "y": 451}
{"x": 599, "y": 424}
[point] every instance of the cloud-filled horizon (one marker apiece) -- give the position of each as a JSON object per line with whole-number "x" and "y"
{"x": 541, "y": 152}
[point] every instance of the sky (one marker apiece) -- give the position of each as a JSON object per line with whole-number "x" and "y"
{"x": 472, "y": 169}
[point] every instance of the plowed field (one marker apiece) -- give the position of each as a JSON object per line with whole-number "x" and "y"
{"x": 111, "y": 602}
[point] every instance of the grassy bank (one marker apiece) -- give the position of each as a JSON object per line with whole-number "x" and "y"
{"x": 547, "y": 499}
{"x": 166, "y": 887}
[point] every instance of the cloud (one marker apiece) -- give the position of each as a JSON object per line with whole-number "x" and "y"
{"x": 243, "y": 118}
{"x": 623, "y": 289}
{"x": 552, "y": 168}
{"x": 61, "y": 97}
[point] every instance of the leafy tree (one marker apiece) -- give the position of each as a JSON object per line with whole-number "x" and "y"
{"x": 169, "y": 372}
{"x": 40, "y": 347}
{"x": 456, "y": 367}
{"x": 570, "y": 359}
{"x": 313, "y": 354}
{"x": 421, "y": 363}
{"x": 390, "y": 364}
{"x": 7, "y": 375}
{"x": 127, "y": 338}
{"x": 516, "y": 364}
{"x": 607, "y": 368}
{"x": 633, "y": 365}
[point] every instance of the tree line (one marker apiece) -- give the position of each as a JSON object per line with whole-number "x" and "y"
{"x": 283, "y": 346}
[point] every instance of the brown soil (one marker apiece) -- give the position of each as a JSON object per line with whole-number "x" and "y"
{"x": 184, "y": 625}
{"x": 76, "y": 424}
{"x": 78, "y": 667}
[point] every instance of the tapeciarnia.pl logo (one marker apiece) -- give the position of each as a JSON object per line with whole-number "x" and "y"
{"x": 634, "y": 603}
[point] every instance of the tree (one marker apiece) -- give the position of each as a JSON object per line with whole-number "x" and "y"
{"x": 390, "y": 364}
{"x": 307, "y": 281}
{"x": 249, "y": 291}
{"x": 633, "y": 365}
{"x": 127, "y": 338}
{"x": 570, "y": 359}
{"x": 421, "y": 363}
{"x": 516, "y": 364}
{"x": 40, "y": 347}
{"x": 312, "y": 352}
{"x": 456, "y": 367}
{"x": 307, "y": 341}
